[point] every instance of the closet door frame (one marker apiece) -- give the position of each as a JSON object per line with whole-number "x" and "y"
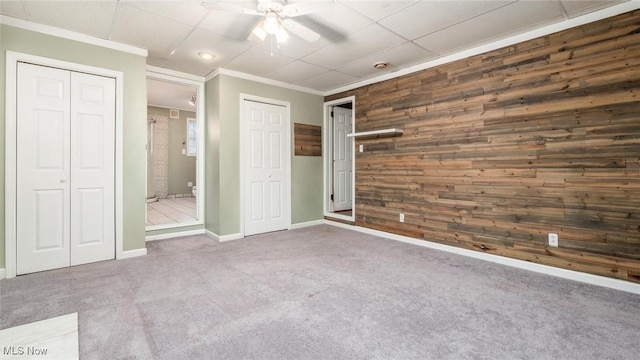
{"x": 12, "y": 59}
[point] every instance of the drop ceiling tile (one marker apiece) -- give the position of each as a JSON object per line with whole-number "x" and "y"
{"x": 186, "y": 57}
{"x": 371, "y": 39}
{"x": 329, "y": 80}
{"x": 501, "y": 23}
{"x": 88, "y": 17}
{"x": 336, "y": 22}
{"x": 398, "y": 57}
{"x": 231, "y": 25}
{"x": 425, "y": 17}
{"x": 295, "y": 71}
{"x": 576, "y": 8}
{"x": 147, "y": 30}
{"x": 13, "y": 8}
{"x": 186, "y": 12}
{"x": 257, "y": 61}
{"x": 376, "y": 10}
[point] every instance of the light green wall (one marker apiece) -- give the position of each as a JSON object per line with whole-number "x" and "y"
{"x": 224, "y": 136}
{"x": 212, "y": 151}
{"x": 135, "y": 107}
{"x": 182, "y": 168}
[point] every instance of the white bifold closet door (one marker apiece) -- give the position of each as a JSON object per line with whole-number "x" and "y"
{"x": 65, "y": 168}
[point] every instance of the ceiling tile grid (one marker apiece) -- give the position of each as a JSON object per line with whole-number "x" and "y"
{"x": 354, "y": 33}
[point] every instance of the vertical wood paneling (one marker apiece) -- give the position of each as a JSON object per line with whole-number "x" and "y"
{"x": 501, "y": 148}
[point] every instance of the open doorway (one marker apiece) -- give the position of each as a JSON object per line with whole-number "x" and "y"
{"x": 174, "y": 153}
{"x": 339, "y": 189}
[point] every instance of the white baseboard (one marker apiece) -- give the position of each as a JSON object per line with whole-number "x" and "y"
{"x": 307, "y": 224}
{"x": 222, "y": 238}
{"x": 2, "y": 273}
{"x": 597, "y": 280}
{"x": 174, "y": 235}
{"x": 133, "y": 253}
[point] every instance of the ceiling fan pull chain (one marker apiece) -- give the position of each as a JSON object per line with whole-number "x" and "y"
{"x": 271, "y": 40}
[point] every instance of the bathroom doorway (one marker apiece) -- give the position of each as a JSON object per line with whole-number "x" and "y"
{"x": 174, "y": 153}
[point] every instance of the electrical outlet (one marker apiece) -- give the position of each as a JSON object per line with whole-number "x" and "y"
{"x": 361, "y": 147}
{"x": 553, "y": 239}
{"x": 401, "y": 217}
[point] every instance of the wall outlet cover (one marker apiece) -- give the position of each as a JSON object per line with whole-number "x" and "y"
{"x": 553, "y": 239}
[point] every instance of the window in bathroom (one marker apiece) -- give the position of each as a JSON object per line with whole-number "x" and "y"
{"x": 191, "y": 137}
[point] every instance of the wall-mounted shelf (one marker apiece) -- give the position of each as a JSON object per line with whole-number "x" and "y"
{"x": 377, "y": 133}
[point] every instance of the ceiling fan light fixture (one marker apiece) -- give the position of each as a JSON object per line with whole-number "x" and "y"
{"x": 259, "y": 32}
{"x": 282, "y": 35}
{"x": 271, "y": 23}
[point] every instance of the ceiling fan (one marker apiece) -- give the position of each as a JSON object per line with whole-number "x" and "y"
{"x": 276, "y": 17}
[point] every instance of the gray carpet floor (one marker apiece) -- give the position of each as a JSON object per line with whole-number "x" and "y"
{"x": 323, "y": 293}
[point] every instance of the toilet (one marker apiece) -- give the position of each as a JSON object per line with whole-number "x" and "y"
{"x": 194, "y": 191}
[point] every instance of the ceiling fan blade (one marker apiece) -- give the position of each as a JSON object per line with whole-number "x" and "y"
{"x": 241, "y": 7}
{"x": 299, "y": 8}
{"x": 300, "y": 30}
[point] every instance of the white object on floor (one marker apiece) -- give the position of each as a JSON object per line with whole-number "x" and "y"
{"x": 55, "y": 338}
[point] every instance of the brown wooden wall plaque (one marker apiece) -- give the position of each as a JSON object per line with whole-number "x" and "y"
{"x": 308, "y": 139}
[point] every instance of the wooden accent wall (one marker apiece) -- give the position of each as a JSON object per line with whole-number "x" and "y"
{"x": 501, "y": 148}
{"x": 307, "y": 140}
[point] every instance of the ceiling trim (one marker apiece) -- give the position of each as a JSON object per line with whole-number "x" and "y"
{"x": 282, "y": 84}
{"x": 71, "y": 35}
{"x": 162, "y": 73}
{"x": 543, "y": 31}
{"x": 175, "y": 108}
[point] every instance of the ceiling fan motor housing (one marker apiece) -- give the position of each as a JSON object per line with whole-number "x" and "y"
{"x": 267, "y": 6}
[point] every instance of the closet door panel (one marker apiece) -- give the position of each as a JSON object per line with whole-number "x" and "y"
{"x": 92, "y": 168}
{"x": 43, "y": 153}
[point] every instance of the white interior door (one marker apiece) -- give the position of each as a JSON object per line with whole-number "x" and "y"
{"x": 92, "y": 168}
{"x": 342, "y": 169}
{"x": 43, "y": 148}
{"x": 65, "y": 213}
{"x": 266, "y": 181}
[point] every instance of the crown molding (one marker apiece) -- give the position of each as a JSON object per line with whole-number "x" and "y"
{"x": 158, "y": 72}
{"x": 543, "y": 31}
{"x": 282, "y": 84}
{"x": 71, "y": 35}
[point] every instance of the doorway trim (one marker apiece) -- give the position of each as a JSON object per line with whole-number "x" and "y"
{"x": 179, "y": 78}
{"x": 327, "y": 145}
{"x": 12, "y": 59}
{"x": 244, "y": 151}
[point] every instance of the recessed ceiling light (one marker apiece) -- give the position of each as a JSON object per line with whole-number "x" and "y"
{"x": 205, "y": 55}
{"x": 381, "y": 65}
